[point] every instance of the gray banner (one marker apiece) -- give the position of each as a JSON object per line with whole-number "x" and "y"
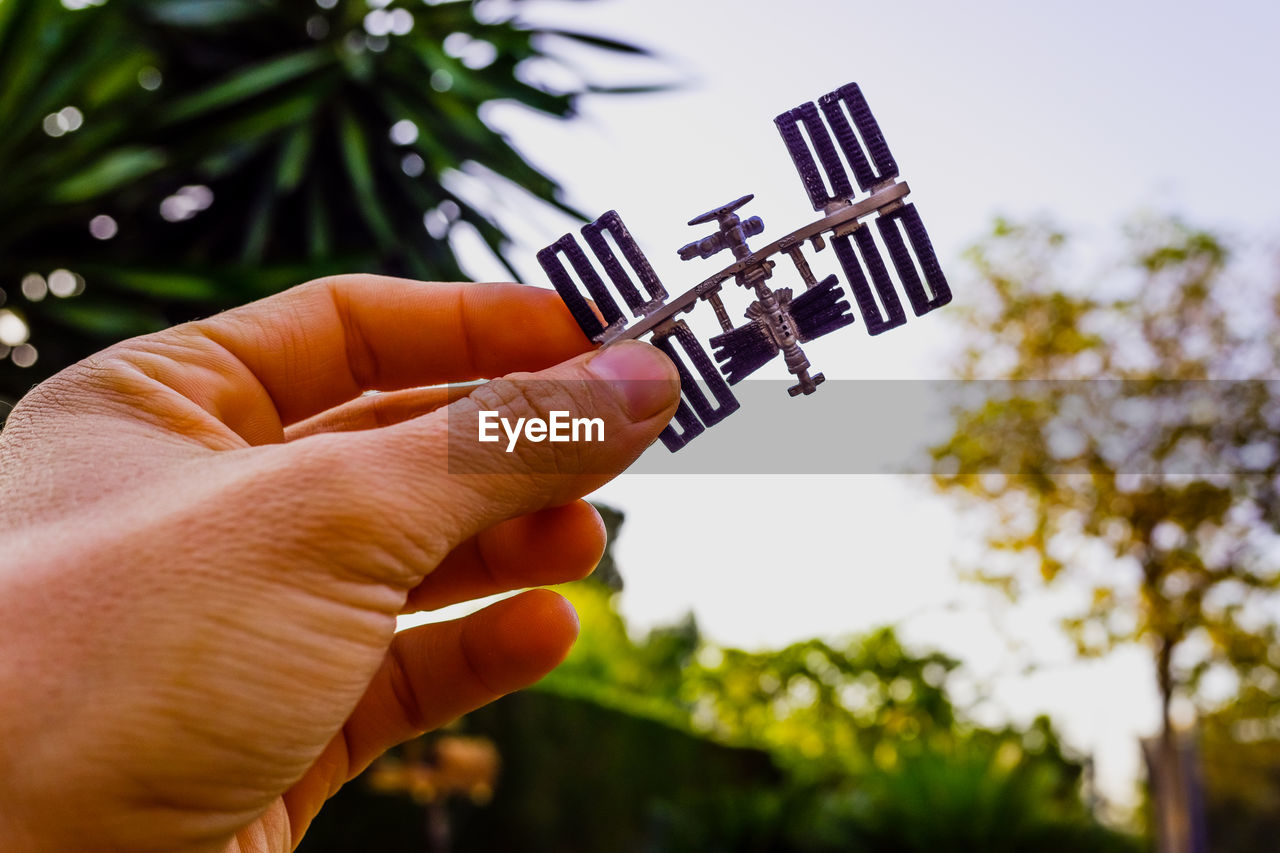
{"x": 1182, "y": 428}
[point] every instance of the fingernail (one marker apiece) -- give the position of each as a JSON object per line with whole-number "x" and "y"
{"x": 640, "y": 374}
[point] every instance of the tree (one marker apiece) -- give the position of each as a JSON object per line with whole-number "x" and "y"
{"x": 165, "y": 159}
{"x": 1136, "y": 453}
{"x": 874, "y": 753}
{"x": 831, "y": 708}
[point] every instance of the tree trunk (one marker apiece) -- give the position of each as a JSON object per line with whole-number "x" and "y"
{"x": 1171, "y": 777}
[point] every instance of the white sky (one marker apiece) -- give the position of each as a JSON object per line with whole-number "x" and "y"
{"x": 1090, "y": 112}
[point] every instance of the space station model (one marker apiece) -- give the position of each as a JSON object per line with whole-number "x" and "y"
{"x": 779, "y": 319}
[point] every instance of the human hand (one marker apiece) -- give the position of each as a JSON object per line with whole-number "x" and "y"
{"x": 207, "y": 534}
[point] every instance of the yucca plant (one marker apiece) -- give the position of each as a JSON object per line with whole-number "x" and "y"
{"x": 164, "y": 159}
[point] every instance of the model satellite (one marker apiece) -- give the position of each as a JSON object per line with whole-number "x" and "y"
{"x": 780, "y": 318}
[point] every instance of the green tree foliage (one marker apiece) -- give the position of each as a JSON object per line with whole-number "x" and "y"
{"x": 1147, "y": 470}
{"x": 875, "y": 755}
{"x": 842, "y": 707}
{"x": 967, "y": 799}
{"x": 241, "y": 146}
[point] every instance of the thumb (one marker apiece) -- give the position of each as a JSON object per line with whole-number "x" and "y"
{"x": 531, "y": 440}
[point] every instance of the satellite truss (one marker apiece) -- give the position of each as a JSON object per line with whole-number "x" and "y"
{"x": 779, "y": 319}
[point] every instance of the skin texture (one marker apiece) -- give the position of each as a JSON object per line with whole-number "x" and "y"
{"x": 207, "y": 534}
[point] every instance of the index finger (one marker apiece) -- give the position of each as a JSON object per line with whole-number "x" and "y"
{"x": 323, "y": 343}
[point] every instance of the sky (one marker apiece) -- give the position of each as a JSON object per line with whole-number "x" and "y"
{"x": 1089, "y": 113}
